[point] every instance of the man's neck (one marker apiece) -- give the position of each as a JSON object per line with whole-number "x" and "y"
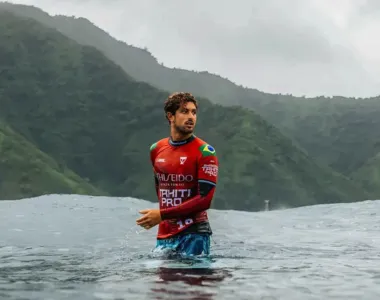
{"x": 177, "y": 137}
{"x": 177, "y": 140}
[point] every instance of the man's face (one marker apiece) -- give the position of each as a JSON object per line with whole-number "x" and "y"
{"x": 185, "y": 118}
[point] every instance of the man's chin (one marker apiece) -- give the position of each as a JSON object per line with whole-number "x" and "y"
{"x": 185, "y": 131}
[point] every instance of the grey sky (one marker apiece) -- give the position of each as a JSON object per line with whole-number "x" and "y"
{"x": 302, "y": 47}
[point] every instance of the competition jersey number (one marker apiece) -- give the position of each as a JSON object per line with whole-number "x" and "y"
{"x": 187, "y": 222}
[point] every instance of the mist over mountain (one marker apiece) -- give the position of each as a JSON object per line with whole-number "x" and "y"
{"x": 87, "y": 113}
{"x": 311, "y": 48}
{"x": 342, "y": 133}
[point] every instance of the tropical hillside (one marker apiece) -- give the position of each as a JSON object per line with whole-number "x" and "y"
{"x": 28, "y": 172}
{"x": 88, "y": 114}
{"x": 343, "y": 133}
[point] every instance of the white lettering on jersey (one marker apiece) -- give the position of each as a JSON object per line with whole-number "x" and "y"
{"x": 174, "y": 177}
{"x": 171, "y": 197}
{"x": 211, "y": 170}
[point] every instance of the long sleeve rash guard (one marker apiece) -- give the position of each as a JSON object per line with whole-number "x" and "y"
{"x": 186, "y": 175}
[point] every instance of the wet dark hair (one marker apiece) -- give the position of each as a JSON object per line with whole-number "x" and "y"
{"x": 176, "y": 100}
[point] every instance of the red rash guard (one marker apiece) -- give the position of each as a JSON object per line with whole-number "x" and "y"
{"x": 186, "y": 174}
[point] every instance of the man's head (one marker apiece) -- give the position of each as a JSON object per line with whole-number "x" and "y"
{"x": 181, "y": 112}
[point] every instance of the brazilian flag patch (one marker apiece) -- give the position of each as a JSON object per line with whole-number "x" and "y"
{"x": 153, "y": 146}
{"x": 207, "y": 150}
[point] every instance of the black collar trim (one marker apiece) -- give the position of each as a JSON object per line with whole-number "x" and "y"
{"x": 180, "y": 143}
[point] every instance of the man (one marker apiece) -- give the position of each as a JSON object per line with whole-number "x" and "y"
{"x": 186, "y": 174}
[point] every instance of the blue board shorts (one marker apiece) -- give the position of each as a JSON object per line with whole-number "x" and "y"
{"x": 190, "y": 244}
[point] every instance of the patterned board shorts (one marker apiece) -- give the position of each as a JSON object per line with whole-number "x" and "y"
{"x": 191, "y": 244}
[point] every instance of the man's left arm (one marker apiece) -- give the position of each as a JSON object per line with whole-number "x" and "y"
{"x": 207, "y": 180}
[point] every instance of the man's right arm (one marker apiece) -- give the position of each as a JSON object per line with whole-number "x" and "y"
{"x": 156, "y": 184}
{"x": 152, "y": 158}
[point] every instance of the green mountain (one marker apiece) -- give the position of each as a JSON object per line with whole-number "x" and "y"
{"x": 369, "y": 175}
{"x": 82, "y": 109}
{"x": 137, "y": 62}
{"x": 339, "y": 132}
{"x": 25, "y": 171}
{"x": 343, "y": 133}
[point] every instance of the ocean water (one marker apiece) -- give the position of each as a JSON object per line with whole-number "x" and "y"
{"x": 81, "y": 247}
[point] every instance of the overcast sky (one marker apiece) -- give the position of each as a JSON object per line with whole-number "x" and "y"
{"x": 302, "y": 47}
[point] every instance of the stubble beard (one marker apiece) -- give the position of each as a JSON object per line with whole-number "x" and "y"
{"x": 182, "y": 130}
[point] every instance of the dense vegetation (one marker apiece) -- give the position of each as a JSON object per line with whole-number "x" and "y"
{"x": 343, "y": 133}
{"x": 26, "y": 172}
{"x": 90, "y": 116}
{"x": 369, "y": 175}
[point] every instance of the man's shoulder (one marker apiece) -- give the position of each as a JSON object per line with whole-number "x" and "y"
{"x": 158, "y": 144}
{"x": 204, "y": 148}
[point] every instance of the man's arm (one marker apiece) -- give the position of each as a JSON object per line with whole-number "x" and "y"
{"x": 207, "y": 180}
{"x": 156, "y": 183}
{"x": 152, "y": 157}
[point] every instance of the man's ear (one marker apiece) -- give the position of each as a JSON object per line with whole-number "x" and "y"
{"x": 170, "y": 116}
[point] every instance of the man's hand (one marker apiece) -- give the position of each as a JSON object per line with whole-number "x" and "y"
{"x": 151, "y": 218}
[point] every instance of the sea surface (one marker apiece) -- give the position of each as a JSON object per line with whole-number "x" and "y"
{"x": 82, "y": 247}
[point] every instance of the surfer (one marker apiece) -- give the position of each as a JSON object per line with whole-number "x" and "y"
{"x": 186, "y": 172}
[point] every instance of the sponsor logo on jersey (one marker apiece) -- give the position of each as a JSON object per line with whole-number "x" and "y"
{"x": 210, "y": 169}
{"x": 182, "y": 159}
{"x": 173, "y": 197}
{"x": 174, "y": 177}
